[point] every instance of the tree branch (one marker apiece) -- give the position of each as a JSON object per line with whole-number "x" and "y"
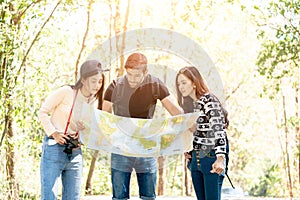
{"x": 235, "y": 89}
{"x": 34, "y": 40}
{"x": 17, "y": 19}
{"x": 84, "y": 37}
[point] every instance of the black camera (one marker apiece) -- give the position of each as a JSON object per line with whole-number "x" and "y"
{"x": 71, "y": 144}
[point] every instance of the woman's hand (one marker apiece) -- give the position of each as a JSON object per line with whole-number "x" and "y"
{"x": 60, "y": 138}
{"x": 193, "y": 128}
{"x": 218, "y": 166}
{"x": 80, "y": 125}
{"x": 187, "y": 155}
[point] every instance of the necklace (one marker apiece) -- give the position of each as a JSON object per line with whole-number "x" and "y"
{"x": 86, "y": 96}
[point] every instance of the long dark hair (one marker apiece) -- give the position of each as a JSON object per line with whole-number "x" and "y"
{"x": 193, "y": 74}
{"x": 99, "y": 94}
{"x": 186, "y": 103}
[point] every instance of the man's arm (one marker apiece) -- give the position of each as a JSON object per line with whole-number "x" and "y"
{"x": 107, "y": 106}
{"x": 171, "y": 107}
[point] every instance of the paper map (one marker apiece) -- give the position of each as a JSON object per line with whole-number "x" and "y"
{"x": 136, "y": 137}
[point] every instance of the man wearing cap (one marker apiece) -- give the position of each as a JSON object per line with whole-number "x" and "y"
{"x": 135, "y": 95}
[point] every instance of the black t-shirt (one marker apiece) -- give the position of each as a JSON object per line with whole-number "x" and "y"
{"x": 135, "y": 102}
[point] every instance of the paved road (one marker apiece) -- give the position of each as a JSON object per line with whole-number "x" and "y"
{"x": 183, "y": 198}
{"x": 136, "y": 198}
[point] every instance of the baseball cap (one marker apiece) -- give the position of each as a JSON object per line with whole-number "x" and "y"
{"x": 87, "y": 69}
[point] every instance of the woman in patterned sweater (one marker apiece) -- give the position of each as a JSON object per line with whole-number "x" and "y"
{"x": 207, "y": 159}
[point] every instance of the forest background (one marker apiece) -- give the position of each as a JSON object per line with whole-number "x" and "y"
{"x": 253, "y": 44}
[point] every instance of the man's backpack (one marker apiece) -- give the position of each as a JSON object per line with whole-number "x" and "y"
{"x": 120, "y": 90}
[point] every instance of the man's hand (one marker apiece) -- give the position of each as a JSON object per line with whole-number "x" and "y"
{"x": 169, "y": 104}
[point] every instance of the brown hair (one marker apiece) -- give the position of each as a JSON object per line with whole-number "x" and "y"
{"x": 99, "y": 94}
{"x": 136, "y": 61}
{"x": 194, "y": 75}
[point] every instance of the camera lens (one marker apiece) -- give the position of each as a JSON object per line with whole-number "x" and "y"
{"x": 68, "y": 149}
{"x": 71, "y": 144}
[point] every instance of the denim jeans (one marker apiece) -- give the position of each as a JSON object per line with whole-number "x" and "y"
{"x": 55, "y": 165}
{"x": 207, "y": 185}
{"x": 122, "y": 167}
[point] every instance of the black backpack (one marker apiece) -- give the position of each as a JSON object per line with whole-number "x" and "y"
{"x": 119, "y": 90}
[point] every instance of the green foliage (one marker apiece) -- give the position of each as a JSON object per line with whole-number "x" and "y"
{"x": 174, "y": 169}
{"x": 268, "y": 183}
{"x": 20, "y": 93}
{"x": 279, "y": 56}
{"x": 278, "y": 62}
{"x": 100, "y": 182}
{"x": 218, "y": 26}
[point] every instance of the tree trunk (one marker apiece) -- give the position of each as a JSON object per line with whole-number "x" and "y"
{"x": 173, "y": 178}
{"x": 297, "y": 129}
{"x": 88, "y": 185}
{"x": 118, "y": 28}
{"x": 161, "y": 175}
{"x": 187, "y": 179}
{"x": 10, "y": 79}
{"x": 110, "y": 44}
{"x": 121, "y": 72}
{"x": 13, "y": 189}
{"x": 290, "y": 185}
{"x": 84, "y": 37}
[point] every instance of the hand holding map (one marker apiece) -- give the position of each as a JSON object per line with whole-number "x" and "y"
{"x": 136, "y": 137}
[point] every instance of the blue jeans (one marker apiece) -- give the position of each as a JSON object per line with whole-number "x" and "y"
{"x": 121, "y": 170}
{"x": 207, "y": 185}
{"x": 56, "y": 164}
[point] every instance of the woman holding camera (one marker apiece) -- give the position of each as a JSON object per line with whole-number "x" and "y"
{"x": 61, "y": 153}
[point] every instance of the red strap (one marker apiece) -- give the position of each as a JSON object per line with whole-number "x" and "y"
{"x": 68, "y": 122}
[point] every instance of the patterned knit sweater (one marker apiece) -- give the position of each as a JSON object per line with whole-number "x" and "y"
{"x": 210, "y": 133}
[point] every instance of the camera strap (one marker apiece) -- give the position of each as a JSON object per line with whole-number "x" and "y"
{"x": 68, "y": 122}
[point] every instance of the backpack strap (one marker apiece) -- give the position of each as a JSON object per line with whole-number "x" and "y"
{"x": 118, "y": 93}
{"x": 120, "y": 82}
{"x": 120, "y": 87}
{"x": 155, "y": 87}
